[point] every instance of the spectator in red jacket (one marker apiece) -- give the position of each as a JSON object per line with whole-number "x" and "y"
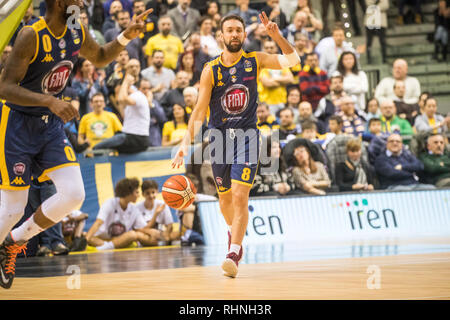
{"x": 314, "y": 83}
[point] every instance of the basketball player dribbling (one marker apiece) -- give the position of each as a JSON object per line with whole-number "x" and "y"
{"x": 228, "y": 86}
{"x": 32, "y": 138}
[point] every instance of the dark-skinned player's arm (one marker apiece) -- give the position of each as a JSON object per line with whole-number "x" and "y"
{"x": 101, "y": 56}
{"x": 197, "y": 117}
{"x": 15, "y": 70}
{"x": 288, "y": 59}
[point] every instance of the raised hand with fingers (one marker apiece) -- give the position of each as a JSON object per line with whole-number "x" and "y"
{"x": 137, "y": 25}
{"x": 271, "y": 27}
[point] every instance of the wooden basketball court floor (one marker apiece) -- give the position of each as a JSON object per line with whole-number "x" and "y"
{"x": 375, "y": 269}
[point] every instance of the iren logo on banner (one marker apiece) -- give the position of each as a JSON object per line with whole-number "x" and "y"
{"x": 269, "y": 226}
{"x": 363, "y": 217}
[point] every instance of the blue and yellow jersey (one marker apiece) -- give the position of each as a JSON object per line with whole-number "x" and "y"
{"x": 234, "y": 96}
{"x": 52, "y": 63}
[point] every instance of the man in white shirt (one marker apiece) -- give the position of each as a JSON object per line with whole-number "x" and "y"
{"x": 135, "y": 110}
{"x": 330, "y": 52}
{"x": 155, "y": 212}
{"x": 118, "y": 222}
{"x": 385, "y": 89}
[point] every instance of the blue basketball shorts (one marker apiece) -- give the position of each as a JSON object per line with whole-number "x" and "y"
{"x": 31, "y": 146}
{"x": 235, "y": 156}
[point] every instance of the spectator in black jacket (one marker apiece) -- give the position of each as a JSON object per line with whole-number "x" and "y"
{"x": 354, "y": 174}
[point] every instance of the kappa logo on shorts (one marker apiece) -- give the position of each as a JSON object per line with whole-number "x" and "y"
{"x": 19, "y": 168}
{"x": 18, "y": 181}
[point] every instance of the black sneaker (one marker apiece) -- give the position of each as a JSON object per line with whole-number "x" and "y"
{"x": 43, "y": 251}
{"x": 60, "y": 249}
{"x": 8, "y": 254}
{"x": 78, "y": 244}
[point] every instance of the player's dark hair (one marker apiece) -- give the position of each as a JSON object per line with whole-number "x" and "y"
{"x": 336, "y": 118}
{"x": 231, "y": 17}
{"x": 126, "y": 187}
{"x": 149, "y": 184}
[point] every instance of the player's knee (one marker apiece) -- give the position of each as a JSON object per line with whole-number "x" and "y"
{"x": 73, "y": 195}
{"x": 239, "y": 199}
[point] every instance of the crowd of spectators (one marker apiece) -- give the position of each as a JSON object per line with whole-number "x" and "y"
{"x": 334, "y": 135}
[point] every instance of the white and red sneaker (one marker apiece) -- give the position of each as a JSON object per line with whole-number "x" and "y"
{"x": 241, "y": 251}
{"x": 230, "y": 265}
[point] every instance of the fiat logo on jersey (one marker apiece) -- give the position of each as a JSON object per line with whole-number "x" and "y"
{"x": 55, "y": 81}
{"x": 235, "y": 99}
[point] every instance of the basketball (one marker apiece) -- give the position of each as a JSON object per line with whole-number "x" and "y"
{"x": 178, "y": 192}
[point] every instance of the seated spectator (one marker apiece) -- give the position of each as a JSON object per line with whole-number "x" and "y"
{"x": 335, "y": 126}
{"x": 190, "y": 95}
{"x": 305, "y": 114}
{"x": 156, "y": 213}
{"x": 110, "y": 21}
{"x": 430, "y": 120}
{"x": 184, "y": 18}
{"x": 119, "y": 223}
{"x": 272, "y": 83}
{"x": 404, "y": 110}
{"x": 150, "y": 27}
{"x": 256, "y": 39}
{"x": 157, "y": 115}
{"x": 390, "y": 123}
{"x": 187, "y": 65}
{"x": 314, "y": 83}
{"x": 328, "y": 105}
{"x": 72, "y": 229}
{"x": 167, "y": 43}
{"x": 423, "y": 97}
{"x": 160, "y": 77}
{"x": 267, "y": 122}
{"x": 135, "y": 132}
{"x": 208, "y": 41}
{"x": 288, "y": 129}
{"x": 274, "y": 13}
{"x": 175, "y": 95}
{"x": 398, "y": 169}
{"x": 293, "y": 101}
{"x": 96, "y": 35}
{"x": 303, "y": 46}
{"x": 436, "y": 162}
{"x": 117, "y": 69}
{"x": 417, "y": 11}
{"x": 441, "y": 22}
{"x": 298, "y": 25}
{"x": 200, "y": 57}
{"x": 314, "y": 24}
{"x": 353, "y": 124}
{"x": 273, "y": 183}
{"x": 355, "y": 80}
{"x": 372, "y": 109}
{"x": 213, "y": 11}
{"x": 309, "y": 132}
{"x": 376, "y": 22}
{"x": 250, "y": 16}
{"x": 134, "y": 48}
{"x": 385, "y": 89}
{"x": 126, "y": 5}
{"x": 331, "y": 53}
{"x": 88, "y": 82}
{"x": 174, "y": 131}
{"x": 99, "y": 124}
{"x": 354, "y": 174}
{"x": 374, "y": 128}
{"x": 309, "y": 175}
{"x": 5, "y": 54}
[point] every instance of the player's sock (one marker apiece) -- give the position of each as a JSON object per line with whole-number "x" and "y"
{"x": 186, "y": 235}
{"x": 26, "y": 231}
{"x": 108, "y": 245}
{"x": 235, "y": 248}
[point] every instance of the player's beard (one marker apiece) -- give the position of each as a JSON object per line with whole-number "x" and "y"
{"x": 234, "y": 47}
